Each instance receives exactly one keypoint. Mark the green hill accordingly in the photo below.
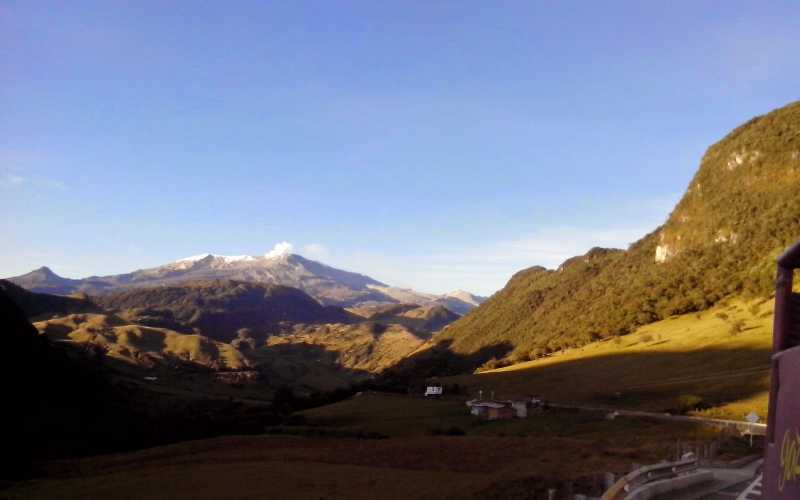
(741, 210)
(219, 309)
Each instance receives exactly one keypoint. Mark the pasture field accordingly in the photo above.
(490, 457)
(416, 458)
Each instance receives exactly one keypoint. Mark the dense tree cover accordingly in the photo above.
(741, 210)
(218, 309)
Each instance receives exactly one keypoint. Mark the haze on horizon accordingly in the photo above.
(432, 145)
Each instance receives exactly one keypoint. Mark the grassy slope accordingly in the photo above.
(693, 354)
(138, 344)
(369, 347)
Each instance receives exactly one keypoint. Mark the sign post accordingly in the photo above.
(753, 418)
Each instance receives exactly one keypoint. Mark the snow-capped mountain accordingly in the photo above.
(460, 301)
(330, 286)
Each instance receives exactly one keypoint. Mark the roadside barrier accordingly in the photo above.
(649, 474)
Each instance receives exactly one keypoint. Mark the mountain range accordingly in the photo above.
(328, 285)
(739, 212)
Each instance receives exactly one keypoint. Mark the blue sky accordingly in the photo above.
(431, 144)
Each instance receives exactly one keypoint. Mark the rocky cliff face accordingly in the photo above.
(744, 191)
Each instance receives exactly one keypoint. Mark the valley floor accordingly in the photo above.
(413, 460)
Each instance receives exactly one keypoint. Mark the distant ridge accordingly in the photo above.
(219, 309)
(37, 305)
(44, 280)
(326, 284)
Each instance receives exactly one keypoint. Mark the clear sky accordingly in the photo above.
(431, 144)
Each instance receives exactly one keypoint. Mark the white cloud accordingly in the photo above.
(280, 249)
(11, 180)
(316, 251)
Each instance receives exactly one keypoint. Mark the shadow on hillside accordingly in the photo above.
(288, 364)
(438, 361)
(638, 379)
(223, 326)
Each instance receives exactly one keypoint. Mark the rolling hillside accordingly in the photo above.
(422, 319)
(140, 345)
(740, 211)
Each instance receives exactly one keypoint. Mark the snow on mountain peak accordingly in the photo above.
(227, 259)
(279, 250)
(235, 258)
(194, 258)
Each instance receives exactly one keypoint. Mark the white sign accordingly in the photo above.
(752, 417)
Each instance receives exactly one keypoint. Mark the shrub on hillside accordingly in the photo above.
(689, 402)
(736, 327)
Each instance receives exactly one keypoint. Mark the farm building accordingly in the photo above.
(491, 410)
(501, 410)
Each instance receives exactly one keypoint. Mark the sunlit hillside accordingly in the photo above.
(142, 345)
(715, 363)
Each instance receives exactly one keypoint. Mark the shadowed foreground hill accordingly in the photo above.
(741, 210)
(54, 402)
(62, 400)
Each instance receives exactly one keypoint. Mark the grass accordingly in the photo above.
(254, 467)
(392, 415)
(409, 416)
(695, 354)
(548, 447)
(491, 459)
